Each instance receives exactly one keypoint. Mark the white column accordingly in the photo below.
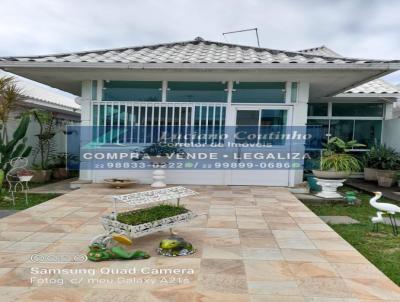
(299, 120)
(86, 121)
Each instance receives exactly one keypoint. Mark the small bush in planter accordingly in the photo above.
(385, 160)
(162, 149)
(336, 162)
(151, 214)
(158, 151)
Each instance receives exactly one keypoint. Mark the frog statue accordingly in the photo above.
(100, 252)
(103, 247)
(175, 246)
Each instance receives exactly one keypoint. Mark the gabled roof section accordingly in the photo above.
(192, 52)
(378, 86)
(45, 94)
(321, 51)
(374, 87)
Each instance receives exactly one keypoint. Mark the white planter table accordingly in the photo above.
(142, 200)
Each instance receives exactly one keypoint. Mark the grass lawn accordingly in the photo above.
(34, 199)
(382, 249)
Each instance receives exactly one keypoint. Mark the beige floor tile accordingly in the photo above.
(373, 289)
(324, 287)
(276, 226)
(303, 255)
(322, 235)
(44, 237)
(221, 252)
(304, 270)
(358, 270)
(254, 233)
(265, 242)
(289, 288)
(332, 244)
(259, 270)
(262, 253)
(295, 243)
(26, 247)
(315, 227)
(252, 224)
(14, 236)
(276, 298)
(221, 275)
(216, 223)
(351, 256)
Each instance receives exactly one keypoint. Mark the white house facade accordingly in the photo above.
(213, 86)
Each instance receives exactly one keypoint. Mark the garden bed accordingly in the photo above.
(382, 248)
(33, 199)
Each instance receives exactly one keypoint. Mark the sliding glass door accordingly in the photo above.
(260, 136)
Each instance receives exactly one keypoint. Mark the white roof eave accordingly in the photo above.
(221, 66)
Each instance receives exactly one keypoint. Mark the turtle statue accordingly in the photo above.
(103, 247)
(175, 246)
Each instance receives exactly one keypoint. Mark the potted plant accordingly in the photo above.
(371, 161)
(59, 165)
(25, 175)
(159, 152)
(387, 161)
(398, 178)
(336, 162)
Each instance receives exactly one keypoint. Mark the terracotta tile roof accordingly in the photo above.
(194, 51)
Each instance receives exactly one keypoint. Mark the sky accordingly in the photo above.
(354, 28)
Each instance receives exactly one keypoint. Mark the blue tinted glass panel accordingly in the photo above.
(318, 109)
(137, 91)
(94, 90)
(317, 131)
(293, 93)
(342, 129)
(355, 109)
(196, 92)
(368, 132)
(259, 92)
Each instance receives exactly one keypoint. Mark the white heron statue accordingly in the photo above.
(385, 208)
(376, 220)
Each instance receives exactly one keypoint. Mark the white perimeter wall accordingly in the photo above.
(391, 133)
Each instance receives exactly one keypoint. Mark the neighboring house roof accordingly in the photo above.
(43, 94)
(194, 51)
(377, 86)
(322, 51)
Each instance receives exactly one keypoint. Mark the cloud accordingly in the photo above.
(355, 28)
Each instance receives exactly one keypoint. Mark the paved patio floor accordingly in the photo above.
(256, 244)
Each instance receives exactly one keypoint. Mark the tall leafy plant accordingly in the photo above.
(45, 145)
(16, 146)
(10, 95)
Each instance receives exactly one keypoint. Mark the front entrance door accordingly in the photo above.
(255, 130)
